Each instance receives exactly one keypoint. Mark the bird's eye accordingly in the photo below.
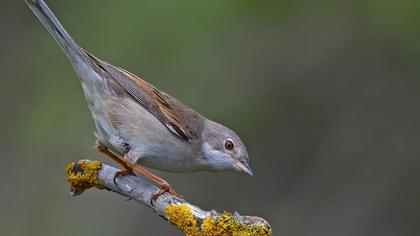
(229, 145)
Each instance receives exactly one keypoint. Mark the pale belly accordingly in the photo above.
(125, 126)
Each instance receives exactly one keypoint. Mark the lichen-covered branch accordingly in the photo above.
(190, 219)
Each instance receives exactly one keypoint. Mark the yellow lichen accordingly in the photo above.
(83, 175)
(225, 225)
(181, 216)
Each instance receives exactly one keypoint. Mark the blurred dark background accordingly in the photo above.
(325, 94)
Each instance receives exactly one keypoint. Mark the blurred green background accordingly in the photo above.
(324, 93)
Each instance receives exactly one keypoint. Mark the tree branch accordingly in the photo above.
(190, 219)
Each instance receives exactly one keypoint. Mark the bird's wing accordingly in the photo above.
(181, 120)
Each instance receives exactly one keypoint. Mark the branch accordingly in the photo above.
(190, 219)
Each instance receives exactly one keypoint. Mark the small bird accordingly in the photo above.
(139, 125)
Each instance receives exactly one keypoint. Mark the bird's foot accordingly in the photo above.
(121, 173)
(164, 188)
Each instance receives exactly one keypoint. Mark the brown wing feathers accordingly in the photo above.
(150, 98)
(169, 113)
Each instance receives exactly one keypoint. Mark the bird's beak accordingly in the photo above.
(244, 167)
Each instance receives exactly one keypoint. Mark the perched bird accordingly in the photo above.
(139, 125)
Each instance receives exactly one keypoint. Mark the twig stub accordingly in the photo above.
(83, 175)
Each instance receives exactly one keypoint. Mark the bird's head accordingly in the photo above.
(222, 149)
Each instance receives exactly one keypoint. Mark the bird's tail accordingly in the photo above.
(69, 46)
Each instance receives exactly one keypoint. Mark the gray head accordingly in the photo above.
(222, 149)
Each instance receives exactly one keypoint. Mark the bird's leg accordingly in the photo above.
(104, 150)
(164, 185)
(129, 167)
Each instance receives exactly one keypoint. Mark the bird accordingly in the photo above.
(142, 127)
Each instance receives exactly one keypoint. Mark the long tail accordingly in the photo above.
(69, 46)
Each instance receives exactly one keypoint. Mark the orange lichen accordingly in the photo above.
(225, 225)
(83, 175)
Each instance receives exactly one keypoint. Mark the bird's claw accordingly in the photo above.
(164, 188)
(121, 173)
